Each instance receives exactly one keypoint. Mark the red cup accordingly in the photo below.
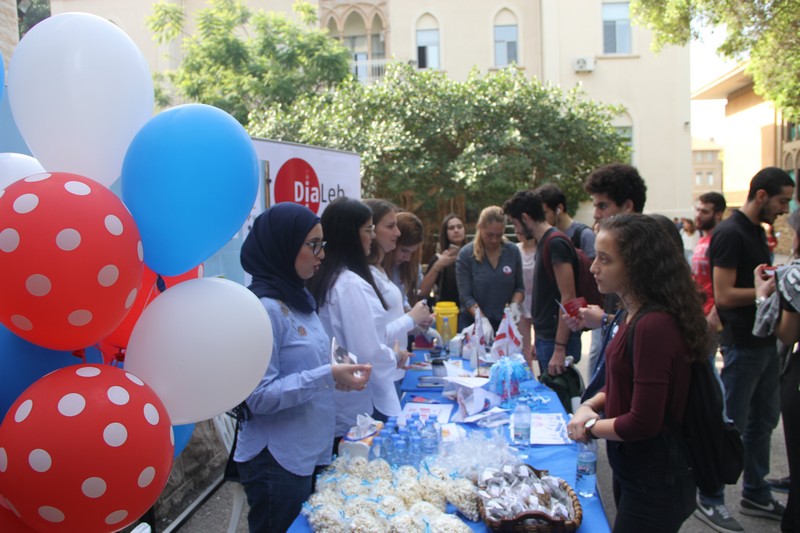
(573, 306)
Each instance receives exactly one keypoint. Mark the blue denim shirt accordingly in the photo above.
(293, 411)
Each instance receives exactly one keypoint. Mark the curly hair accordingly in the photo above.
(658, 276)
(620, 182)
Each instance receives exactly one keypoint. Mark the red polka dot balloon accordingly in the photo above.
(85, 448)
(70, 260)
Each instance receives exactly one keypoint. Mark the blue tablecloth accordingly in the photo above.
(559, 460)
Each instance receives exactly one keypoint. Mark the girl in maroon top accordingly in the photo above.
(646, 383)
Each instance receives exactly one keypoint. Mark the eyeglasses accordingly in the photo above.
(316, 246)
(370, 228)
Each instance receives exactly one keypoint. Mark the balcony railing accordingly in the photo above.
(368, 70)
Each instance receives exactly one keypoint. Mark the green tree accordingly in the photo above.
(766, 33)
(31, 13)
(240, 61)
(424, 136)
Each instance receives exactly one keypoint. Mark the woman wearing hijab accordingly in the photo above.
(289, 431)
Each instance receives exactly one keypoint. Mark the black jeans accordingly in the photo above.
(790, 408)
(274, 494)
(654, 488)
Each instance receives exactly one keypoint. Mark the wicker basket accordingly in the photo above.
(537, 521)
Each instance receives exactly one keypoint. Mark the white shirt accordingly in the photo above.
(398, 322)
(354, 315)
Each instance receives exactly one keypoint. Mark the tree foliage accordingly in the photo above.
(241, 61)
(425, 136)
(763, 31)
(36, 12)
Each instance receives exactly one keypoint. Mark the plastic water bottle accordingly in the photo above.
(414, 424)
(522, 424)
(405, 434)
(400, 453)
(586, 472)
(376, 450)
(415, 451)
(392, 448)
(445, 333)
(430, 439)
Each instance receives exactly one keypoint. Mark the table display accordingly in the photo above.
(373, 496)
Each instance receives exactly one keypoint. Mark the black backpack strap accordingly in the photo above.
(576, 237)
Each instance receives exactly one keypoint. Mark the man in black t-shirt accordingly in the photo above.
(554, 283)
(737, 254)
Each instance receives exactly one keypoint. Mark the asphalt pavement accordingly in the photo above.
(214, 515)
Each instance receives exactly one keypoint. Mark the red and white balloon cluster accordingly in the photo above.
(88, 447)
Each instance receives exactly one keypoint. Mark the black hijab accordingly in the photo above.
(270, 250)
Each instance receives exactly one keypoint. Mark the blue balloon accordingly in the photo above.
(2, 75)
(190, 178)
(23, 363)
(182, 435)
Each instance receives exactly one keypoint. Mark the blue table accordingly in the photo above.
(559, 460)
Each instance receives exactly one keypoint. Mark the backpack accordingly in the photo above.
(585, 284)
(711, 443)
(568, 386)
(576, 236)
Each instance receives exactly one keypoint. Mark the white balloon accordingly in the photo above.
(14, 167)
(203, 346)
(79, 90)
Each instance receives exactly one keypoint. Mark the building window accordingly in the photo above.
(710, 178)
(626, 135)
(428, 49)
(616, 28)
(505, 45)
(698, 178)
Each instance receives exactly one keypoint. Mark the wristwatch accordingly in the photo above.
(587, 427)
(760, 300)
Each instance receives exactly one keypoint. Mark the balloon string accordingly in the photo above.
(119, 357)
(160, 283)
(81, 354)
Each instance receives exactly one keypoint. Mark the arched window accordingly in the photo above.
(505, 39)
(427, 42)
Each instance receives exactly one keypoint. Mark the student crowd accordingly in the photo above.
(355, 275)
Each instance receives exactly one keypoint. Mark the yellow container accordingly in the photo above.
(449, 310)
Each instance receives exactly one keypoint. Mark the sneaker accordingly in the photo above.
(717, 517)
(772, 509)
(779, 484)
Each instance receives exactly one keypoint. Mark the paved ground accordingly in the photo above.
(214, 515)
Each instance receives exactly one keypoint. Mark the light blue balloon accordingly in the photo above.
(182, 435)
(22, 363)
(190, 178)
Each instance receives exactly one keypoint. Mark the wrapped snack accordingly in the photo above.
(368, 523)
(353, 486)
(364, 431)
(407, 471)
(427, 511)
(329, 519)
(356, 506)
(391, 505)
(463, 494)
(447, 523)
(325, 497)
(434, 490)
(379, 469)
(359, 467)
(406, 522)
(409, 490)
